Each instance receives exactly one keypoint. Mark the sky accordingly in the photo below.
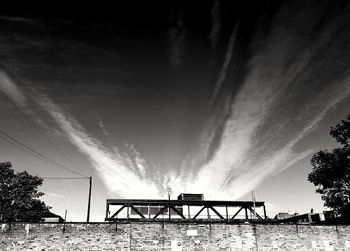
(213, 97)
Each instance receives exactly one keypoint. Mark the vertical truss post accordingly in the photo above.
(208, 213)
(226, 213)
(246, 213)
(265, 217)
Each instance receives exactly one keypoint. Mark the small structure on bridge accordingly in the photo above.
(188, 207)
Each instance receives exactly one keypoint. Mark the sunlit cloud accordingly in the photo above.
(119, 179)
(225, 65)
(262, 130)
(290, 81)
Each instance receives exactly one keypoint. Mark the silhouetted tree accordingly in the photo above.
(19, 195)
(331, 171)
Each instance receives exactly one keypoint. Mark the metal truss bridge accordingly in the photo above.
(184, 210)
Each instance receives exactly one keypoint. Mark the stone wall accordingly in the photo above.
(173, 236)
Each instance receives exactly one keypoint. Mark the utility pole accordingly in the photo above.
(89, 201)
(64, 223)
(169, 191)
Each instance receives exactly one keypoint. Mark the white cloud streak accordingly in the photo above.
(118, 178)
(225, 66)
(231, 173)
(238, 165)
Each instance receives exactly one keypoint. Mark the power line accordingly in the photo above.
(68, 194)
(58, 180)
(19, 110)
(52, 188)
(62, 188)
(63, 178)
(36, 154)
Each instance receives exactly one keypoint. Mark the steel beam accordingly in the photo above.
(185, 203)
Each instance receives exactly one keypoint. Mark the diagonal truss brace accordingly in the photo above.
(119, 210)
(252, 211)
(137, 211)
(239, 210)
(216, 212)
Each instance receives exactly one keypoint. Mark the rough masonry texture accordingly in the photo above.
(173, 236)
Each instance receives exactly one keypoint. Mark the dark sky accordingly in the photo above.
(143, 95)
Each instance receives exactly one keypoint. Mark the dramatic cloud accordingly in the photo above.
(295, 69)
(292, 82)
(118, 177)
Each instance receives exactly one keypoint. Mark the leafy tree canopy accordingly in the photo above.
(19, 195)
(331, 171)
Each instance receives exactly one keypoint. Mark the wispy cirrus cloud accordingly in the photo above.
(291, 83)
(123, 173)
(225, 65)
(112, 167)
(296, 72)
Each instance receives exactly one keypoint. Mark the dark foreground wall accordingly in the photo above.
(172, 236)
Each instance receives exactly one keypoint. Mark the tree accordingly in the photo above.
(331, 171)
(19, 195)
